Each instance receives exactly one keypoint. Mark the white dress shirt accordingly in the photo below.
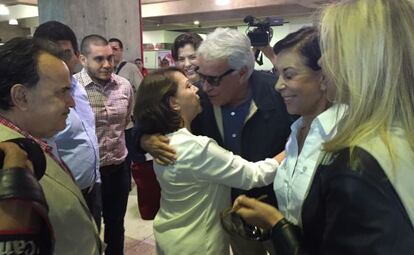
(196, 189)
(296, 172)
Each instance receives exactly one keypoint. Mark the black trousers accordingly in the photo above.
(116, 182)
(93, 199)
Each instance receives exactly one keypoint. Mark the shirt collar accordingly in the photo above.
(87, 80)
(4, 121)
(327, 120)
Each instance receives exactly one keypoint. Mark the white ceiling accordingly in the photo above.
(20, 11)
(180, 14)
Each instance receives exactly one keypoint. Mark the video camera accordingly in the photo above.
(262, 33)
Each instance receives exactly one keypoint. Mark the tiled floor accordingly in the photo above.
(139, 238)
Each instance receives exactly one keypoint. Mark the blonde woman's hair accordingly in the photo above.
(368, 52)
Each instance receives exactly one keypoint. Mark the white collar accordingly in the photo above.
(327, 120)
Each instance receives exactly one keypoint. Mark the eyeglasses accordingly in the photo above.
(213, 80)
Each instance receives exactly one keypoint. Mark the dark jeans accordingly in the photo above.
(94, 201)
(116, 184)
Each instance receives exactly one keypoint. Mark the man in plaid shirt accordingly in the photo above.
(111, 98)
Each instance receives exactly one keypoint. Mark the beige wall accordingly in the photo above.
(7, 31)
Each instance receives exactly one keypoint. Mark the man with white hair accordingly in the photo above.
(241, 111)
(244, 113)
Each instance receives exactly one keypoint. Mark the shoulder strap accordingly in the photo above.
(120, 67)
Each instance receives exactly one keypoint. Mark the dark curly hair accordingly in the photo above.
(184, 39)
(152, 108)
(306, 42)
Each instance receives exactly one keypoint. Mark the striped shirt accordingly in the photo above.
(112, 104)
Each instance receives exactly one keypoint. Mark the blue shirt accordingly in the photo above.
(233, 122)
(77, 144)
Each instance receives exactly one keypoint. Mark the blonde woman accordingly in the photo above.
(361, 200)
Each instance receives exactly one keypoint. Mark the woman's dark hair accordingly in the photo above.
(152, 107)
(306, 42)
(184, 39)
(19, 59)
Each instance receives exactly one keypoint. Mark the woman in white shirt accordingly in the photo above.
(196, 188)
(304, 90)
(361, 197)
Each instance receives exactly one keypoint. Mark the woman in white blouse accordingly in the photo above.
(361, 197)
(304, 90)
(196, 188)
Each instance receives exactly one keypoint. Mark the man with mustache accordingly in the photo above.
(111, 98)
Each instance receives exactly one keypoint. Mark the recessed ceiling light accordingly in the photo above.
(196, 22)
(4, 10)
(13, 22)
(222, 2)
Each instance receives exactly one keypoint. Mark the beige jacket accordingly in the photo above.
(73, 225)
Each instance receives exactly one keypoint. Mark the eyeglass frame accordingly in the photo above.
(213, 80)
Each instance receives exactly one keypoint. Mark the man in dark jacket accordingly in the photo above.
(243, 113)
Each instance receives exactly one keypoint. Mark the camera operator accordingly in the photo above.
(261, 35)
(24, 225)
(268, 52)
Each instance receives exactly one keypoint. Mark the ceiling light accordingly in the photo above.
(13, 22)
(196, 22)
(222, 2)
(4, 10)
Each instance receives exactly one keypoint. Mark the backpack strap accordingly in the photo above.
(120, 67)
